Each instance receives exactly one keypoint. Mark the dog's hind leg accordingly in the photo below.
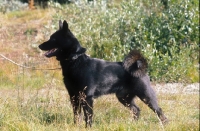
(128, 101)
(149, 98)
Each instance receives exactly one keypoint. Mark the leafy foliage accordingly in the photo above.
(11, 5)
(167, 36)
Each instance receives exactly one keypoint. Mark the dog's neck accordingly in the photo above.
(72, 54)
(73, 62)
(75, 57)
(70, 58)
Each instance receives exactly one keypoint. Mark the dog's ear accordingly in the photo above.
(65, 25)
(60, 24)
(79, 51)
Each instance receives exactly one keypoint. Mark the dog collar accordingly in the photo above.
(75, 57)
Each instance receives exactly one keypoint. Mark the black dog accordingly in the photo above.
(86, 78)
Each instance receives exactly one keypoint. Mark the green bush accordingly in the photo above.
(12, 5)
(168, 37)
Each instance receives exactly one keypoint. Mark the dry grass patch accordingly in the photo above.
(49, 109)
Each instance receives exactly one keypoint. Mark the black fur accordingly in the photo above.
(135, 64)
(87, 78)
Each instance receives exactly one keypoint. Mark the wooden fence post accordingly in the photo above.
(31, 4)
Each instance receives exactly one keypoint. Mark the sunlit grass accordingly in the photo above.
(49, 108)
(16, 17)
(29, 78)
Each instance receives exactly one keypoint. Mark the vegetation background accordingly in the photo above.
(168, 35)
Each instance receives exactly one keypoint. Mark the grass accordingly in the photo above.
(50, 109)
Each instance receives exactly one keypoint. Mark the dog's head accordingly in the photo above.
(62, 44)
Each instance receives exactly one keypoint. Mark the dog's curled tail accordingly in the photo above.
(135, 64)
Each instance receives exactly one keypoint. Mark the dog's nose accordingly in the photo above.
(40, 46)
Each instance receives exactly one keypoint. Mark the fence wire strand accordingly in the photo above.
(27, 67)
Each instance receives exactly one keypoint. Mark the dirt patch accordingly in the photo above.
(177, 88)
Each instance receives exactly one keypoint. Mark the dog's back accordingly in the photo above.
(93, 75)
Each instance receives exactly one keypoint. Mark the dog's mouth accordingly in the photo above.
(51, 52)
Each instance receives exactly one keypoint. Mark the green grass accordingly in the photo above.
(50, 109)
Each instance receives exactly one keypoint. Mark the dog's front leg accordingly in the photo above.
(75, 101)
(87, 104)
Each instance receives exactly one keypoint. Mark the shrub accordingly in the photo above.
(167, 36)
(169, 39)
(12, 5)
